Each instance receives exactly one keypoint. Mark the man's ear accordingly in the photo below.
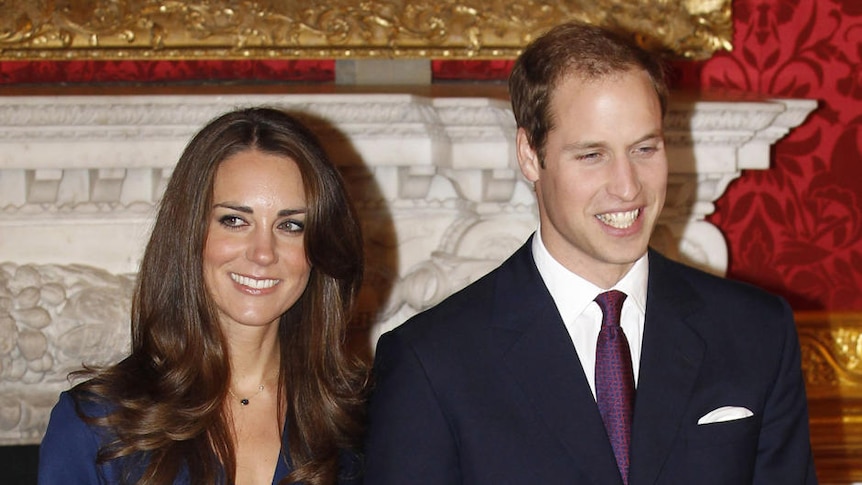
(527, 157)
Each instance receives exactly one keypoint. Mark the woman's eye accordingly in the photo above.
(292, 226)
(231, 221)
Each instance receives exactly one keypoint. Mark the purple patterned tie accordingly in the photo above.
(615, 385)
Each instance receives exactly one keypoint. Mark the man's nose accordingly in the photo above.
(624, 182)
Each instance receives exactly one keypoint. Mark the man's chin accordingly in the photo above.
(625, 254)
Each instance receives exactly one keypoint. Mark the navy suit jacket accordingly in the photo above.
(487, 388)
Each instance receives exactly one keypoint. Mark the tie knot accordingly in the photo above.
(611, 303)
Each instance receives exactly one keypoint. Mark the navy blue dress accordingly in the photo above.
(67, 454)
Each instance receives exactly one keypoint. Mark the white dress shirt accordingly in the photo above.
(574, 297)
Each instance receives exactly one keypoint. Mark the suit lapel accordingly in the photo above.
(671, 355)
(538, 354)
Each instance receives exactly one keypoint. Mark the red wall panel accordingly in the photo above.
(797, 227)
(153, 72)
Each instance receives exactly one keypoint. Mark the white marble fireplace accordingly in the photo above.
(434, 178)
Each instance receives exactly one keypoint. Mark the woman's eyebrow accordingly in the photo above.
(237, 207)
(248, 210)
(291, 212)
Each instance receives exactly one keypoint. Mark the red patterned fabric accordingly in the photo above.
(151, 72)
(615, 384)
(797, 227)
(471, 70)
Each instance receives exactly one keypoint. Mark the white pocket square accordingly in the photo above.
(725, 413)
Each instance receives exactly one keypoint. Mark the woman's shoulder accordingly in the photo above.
(70, 445)
(73, 405)
(75, 412)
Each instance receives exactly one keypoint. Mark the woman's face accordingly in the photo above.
(254, 262)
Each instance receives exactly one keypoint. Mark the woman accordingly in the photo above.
(238, 371)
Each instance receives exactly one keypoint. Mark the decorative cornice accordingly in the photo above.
(92, 159)
(109, 117)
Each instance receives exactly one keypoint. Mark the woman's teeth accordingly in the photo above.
(253, 283)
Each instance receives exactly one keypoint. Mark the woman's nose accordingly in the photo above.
(262, 248)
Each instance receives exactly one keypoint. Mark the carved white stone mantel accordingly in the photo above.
(435, 180)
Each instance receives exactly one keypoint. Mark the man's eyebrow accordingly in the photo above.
(587, 145)
(649, 136)
(582, 145)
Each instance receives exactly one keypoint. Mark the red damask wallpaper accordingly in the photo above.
(152, 72)
(795, 229)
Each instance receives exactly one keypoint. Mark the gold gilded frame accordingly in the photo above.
(832, 362)
(269, 29)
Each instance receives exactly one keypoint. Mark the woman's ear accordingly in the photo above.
(527, 157)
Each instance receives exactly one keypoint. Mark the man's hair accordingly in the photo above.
(572, 49)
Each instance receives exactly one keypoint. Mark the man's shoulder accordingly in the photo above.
(466, 304)
(712, 286)
(740, 307)
(467, 309)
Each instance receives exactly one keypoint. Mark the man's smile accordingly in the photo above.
(619, 220)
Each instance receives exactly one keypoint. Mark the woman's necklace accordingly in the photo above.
(245, 400)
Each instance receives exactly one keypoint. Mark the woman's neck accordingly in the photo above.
(254, 359)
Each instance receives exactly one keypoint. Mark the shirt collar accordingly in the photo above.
(572, 293)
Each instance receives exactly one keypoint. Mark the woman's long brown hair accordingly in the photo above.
(166, 400)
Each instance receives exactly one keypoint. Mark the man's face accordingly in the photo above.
(605, 174)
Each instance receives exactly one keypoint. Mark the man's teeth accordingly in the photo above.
(619, 220)
(253, 283)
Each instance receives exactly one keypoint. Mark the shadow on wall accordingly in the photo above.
(378, 230)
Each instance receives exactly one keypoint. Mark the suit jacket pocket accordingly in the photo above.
(715, 434)
(718, 453)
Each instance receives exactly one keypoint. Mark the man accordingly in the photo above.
(527, 377)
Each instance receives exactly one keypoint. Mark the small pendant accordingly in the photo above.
(244, 402)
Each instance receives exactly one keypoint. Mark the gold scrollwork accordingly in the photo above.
(832, 362)
(832, 353)
(258, 29)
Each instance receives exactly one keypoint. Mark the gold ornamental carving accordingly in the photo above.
(832, 362)
(831, 353)
(269, 29)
